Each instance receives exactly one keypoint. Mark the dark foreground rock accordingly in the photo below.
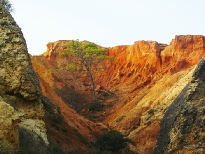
(21, 108)
(183, 125)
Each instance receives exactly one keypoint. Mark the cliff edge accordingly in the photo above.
(21, 108)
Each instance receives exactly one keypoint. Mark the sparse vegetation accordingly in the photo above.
(7, 5)
(84, 59)
(95, 106)
(112, 141)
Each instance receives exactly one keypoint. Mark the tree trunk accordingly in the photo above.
(93, 86)
(91, 80)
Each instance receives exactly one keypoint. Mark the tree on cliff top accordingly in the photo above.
(85, 60)
(7, 5)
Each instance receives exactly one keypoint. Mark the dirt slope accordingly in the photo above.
(145, 78)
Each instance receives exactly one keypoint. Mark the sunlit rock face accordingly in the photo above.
(148, 83)
(183, 125)
(21, 109)
(152, 83)
(183, 51)
(146, 60)
(145, 77)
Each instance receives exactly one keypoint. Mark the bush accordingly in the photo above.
(7, 5)
(55, 148)
(112, 141)
(95, 106)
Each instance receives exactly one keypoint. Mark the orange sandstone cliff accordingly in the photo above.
(145, 78)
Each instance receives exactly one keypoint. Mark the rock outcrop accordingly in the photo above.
(183, 51)
(80, 131)
(148, 83)
(182, 129)
(145, 77)
(155, 82)
(21, 108)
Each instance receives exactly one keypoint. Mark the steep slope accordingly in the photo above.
(29, 121)
(82, 130)
(143, 84)
(156, 81)
(145, 78)
(139, 118)
(21, 108)
(183, 125)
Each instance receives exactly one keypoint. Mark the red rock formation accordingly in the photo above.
(184, 51)
(145, 77)
(87, 129)
(144, 90)
(138, 62)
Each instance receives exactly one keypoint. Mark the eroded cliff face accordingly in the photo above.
(80, 130)
(155, 83)
(184, 51)
(21, 109)
(145, 77)
(145, 80)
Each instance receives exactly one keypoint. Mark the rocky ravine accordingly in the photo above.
(146, 78)
(29, 121)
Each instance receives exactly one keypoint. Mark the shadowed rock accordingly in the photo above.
(21, 114)
(183, 125)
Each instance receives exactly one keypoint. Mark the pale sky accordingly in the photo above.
(107, 22)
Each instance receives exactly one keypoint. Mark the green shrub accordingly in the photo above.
(7, 5)
(112, 141)
(95, 106)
